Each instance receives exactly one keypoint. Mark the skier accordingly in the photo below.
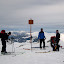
(42, 38)
(53, 43)
(57, 39)
(9, 35)
(52, 40)
(4, 37)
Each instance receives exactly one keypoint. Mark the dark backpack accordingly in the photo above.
(0, 35)
(3, 35)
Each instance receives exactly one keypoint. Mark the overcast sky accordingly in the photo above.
(18, 12)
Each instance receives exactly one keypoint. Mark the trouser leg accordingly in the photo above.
(57, 44)
(3, 46)
(40, 43)
(43, 43)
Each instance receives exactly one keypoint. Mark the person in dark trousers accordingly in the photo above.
(4, 37)
(57, 39)
(42, 38)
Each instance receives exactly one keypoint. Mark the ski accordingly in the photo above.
(12, 53)
(26, 49)
(43, 52)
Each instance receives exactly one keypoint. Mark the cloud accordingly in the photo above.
(17, 12)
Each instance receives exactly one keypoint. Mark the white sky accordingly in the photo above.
(18, 12)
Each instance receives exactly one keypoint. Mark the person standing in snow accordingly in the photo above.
(42, 38)
(9, 35)
(4, 37)
(57, 38)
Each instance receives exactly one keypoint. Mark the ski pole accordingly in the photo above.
(13, 48)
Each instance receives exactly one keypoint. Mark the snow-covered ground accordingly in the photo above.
(24, 55)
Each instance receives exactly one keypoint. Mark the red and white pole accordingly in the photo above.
(30, 22)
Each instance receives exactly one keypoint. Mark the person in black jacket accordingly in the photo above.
(57, 38)
(4, 37)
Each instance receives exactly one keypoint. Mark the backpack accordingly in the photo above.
(0, 35)
(2, 32)
(53, 39)
(3, 35)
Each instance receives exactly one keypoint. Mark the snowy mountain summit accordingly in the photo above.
(21, 53)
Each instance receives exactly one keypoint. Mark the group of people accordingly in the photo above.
(42, 38)
(4, 37)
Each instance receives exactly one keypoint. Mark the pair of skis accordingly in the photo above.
(12, 54)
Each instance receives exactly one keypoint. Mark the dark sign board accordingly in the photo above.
(30, 21)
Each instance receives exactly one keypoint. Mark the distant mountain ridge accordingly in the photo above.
(22, 36)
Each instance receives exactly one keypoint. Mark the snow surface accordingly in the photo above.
(23, 56)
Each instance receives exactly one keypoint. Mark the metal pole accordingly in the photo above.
(30, 37)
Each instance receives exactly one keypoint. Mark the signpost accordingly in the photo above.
(30, 22)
